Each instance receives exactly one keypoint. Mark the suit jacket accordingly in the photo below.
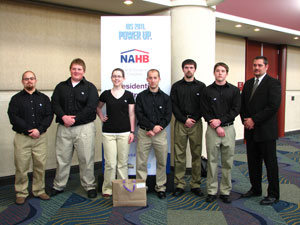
(262, 108)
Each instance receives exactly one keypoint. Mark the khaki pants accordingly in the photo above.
(82, 139)
(26, 148)
(116, 150)
(225, 146)
(160, 145)
(181, 135)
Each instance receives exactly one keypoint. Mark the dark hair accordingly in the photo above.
(78, 61)
(28, 71)
(263, 58)
(119, 69)
(153, 70)
(189, 62)
(223, 65)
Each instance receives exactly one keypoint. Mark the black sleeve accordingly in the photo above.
(130, 98)
(198, 114)
(55, 101)
(168, 112)
(91, 104)
(205, 106)
(19, 124)
(175, 105)
(103, 97)
(47, 117)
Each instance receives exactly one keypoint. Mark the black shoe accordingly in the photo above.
(178, 192)
(210, 198)
(197, 191)
(92, 193)
(225, 198)
(268, 201)
(250, 194)
(55, 192)
(161, 194)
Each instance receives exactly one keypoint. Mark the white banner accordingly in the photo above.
(136, 44)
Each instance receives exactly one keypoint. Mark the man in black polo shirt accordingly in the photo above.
(30, 114)
(220, 105)
(153, 111)
(186, 95)
(74, 102)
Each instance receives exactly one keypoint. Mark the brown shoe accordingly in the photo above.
(44, 196)
(20, 200)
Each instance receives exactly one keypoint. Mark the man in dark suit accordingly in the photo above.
(261, 98)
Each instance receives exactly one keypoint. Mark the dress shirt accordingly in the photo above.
(153, 108)
(30, 111)
(185, 98)
(221, 102)
(80, 101)
(260, 78)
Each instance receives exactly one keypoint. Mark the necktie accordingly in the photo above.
(255, 85)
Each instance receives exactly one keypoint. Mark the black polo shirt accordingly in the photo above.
(221, 102)
(153, 108)
(80, 101)
(30, 111)
(186, 99)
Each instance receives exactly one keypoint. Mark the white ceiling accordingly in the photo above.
(224, 23)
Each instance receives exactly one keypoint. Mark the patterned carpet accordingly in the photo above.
(73, 207)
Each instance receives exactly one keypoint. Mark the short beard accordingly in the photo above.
(189, 75)
(30, 88)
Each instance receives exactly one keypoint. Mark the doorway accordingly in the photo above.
(276, 55)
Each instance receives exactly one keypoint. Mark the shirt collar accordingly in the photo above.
(260, 78)
(25, 92)
(70, 82)
(225, 85)
(194, 81)
(148, 91)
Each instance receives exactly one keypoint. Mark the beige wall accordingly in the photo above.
(292, 107)
(231, 50)
(44, 40)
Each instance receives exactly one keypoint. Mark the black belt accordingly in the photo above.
(226, 124)
(143, 128)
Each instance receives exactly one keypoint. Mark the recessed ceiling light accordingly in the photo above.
(256, 29)
(127, 2)
(238, 25)
(296, 38)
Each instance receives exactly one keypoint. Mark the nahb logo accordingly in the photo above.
(134, 56)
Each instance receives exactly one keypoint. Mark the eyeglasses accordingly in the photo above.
(117, 76)
(29, 78)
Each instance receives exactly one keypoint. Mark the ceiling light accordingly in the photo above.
(238, 25)
(296, 38)
(256, 29)
(127, 2)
